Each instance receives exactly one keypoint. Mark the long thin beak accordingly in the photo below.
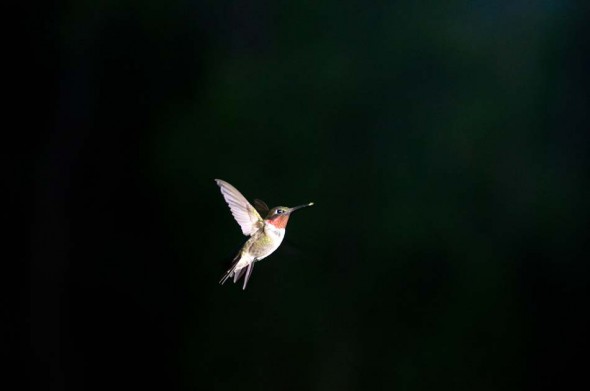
(291, 210)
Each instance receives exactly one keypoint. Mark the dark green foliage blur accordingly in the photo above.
(445, 144)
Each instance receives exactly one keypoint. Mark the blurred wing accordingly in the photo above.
(244, 213)
(261, 207)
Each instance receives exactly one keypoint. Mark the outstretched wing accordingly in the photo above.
(261, 207)
(244, 213)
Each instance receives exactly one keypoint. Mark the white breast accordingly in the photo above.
(276, 233)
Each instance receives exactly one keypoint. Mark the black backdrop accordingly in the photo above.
(445, 146)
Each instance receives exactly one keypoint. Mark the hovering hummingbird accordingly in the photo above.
(265, 234)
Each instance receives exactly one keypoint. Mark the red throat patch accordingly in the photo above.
(279, 221)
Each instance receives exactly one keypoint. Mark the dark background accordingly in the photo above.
(444, 143)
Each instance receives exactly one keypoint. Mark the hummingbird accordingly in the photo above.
(265, 234)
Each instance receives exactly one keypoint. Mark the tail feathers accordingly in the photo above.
(227, 275)
(238, 273)
(248, 274)
(231, 270)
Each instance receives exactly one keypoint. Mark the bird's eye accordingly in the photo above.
(280, 211)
